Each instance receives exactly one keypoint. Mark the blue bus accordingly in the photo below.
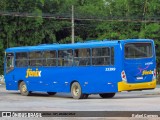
(103, 67)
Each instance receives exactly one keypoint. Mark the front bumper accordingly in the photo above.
(123, 86)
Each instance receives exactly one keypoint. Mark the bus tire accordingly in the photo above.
(76, 91)
(23, 89)
(51, 93)
(107, 95)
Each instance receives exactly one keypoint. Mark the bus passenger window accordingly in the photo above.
(21, 59)
(82, 57)
(112, 55)
(49, 58)
(35, 58)
(65, 58)
(101, 56)
(9, 62)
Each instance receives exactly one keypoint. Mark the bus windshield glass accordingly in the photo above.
(9, 62)
(138, 50)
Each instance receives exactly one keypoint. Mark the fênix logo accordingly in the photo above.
(145, 72)
(33, 73)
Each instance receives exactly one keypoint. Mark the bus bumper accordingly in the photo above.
(123, 86)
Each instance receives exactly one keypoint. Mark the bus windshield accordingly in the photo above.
(138, 50)
(9, 62)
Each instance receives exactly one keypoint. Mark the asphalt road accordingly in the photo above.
(147, 100)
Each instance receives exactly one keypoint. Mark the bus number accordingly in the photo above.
(110, 69)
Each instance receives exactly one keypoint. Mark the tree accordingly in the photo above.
(94, 19)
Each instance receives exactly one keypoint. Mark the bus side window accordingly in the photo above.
(65, 57)
(21, 59)
(60, 58)
(112, 55)
(101, 56)
(76, 59)
(82, 57)
(9, 62)
(35, 58)
(49, 58)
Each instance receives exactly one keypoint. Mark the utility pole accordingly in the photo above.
(72, 24)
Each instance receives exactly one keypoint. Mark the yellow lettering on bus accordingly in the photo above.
(33, 73)
(145, 72)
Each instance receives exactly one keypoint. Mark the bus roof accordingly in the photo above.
(88, 44)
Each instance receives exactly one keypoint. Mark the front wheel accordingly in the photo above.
(107, 95)
(76, 91)
(23, 89)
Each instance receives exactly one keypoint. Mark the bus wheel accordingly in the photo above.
(76, 91)
(107, 95)
(51, 93)
(23, 89)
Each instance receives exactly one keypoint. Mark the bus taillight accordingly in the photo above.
(123, 75)
(154, 74)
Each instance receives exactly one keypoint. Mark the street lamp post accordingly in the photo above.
(72, 24)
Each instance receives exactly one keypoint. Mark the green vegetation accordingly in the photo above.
(32, 22)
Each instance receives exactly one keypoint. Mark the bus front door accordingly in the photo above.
(9, 68)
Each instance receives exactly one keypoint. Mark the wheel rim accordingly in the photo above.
(24, 88)
(76, 90)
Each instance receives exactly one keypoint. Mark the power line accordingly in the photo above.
(81, 18)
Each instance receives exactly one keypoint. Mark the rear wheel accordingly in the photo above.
(51, 93)
(23, 89)
(76, 91)
(107, 95)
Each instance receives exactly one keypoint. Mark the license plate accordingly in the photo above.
(139, 78)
